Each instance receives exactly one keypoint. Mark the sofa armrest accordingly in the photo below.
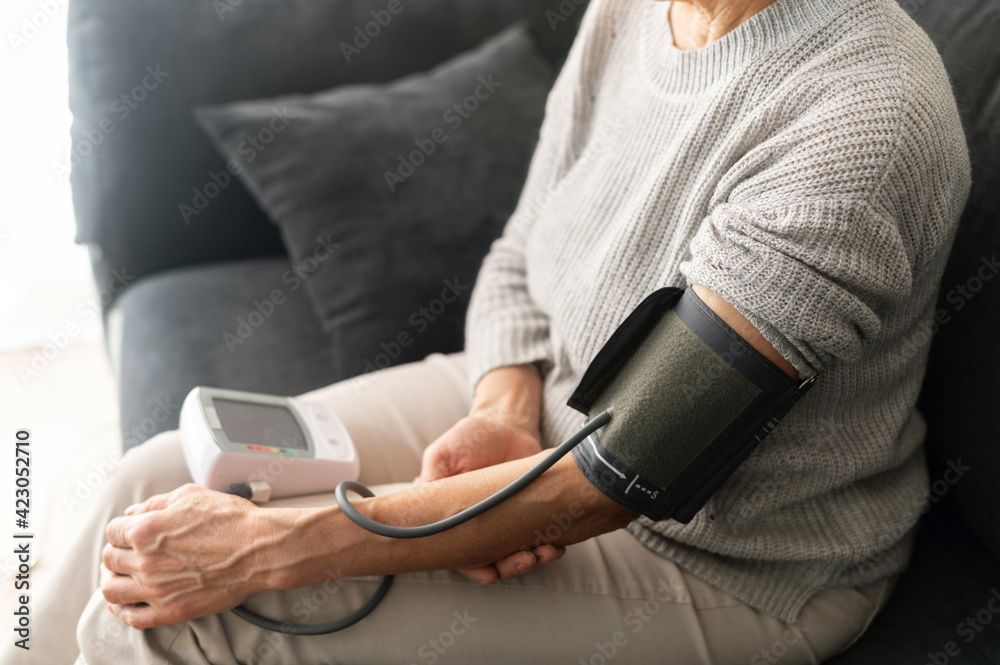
(149, 190)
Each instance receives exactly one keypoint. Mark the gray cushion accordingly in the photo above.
(412, 180)
(135, 169)
(963, 380)
(204, 326)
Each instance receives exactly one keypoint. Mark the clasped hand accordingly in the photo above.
(186, 554)
(477, 442)
(195, 552)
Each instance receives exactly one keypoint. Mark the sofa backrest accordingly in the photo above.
(149, 190)
(961, 394)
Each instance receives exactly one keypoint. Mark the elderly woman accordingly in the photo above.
(801, 165)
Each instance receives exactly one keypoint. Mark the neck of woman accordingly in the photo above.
(696, 23)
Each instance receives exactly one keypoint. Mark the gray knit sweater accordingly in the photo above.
(809, 167)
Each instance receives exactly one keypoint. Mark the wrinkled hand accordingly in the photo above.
(183, 555)
(477, 442)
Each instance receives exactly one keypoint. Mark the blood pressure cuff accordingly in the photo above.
(691, 399)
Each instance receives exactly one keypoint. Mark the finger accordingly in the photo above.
(119, 531)
(516, 564)
(121, 589)
(548, 553)
(155, 502)
(120, 560)
(139, 617)
(485, 575)
(435, 465)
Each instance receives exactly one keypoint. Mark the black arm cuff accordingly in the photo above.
(691, 400)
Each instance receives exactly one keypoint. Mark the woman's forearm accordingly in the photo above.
(560, 507)
(332, 545)
(513, 394)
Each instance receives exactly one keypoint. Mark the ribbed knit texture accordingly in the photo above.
(809, 167)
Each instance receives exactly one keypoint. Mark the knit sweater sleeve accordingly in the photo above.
(809, 275)
(825, 226)
(504, 325)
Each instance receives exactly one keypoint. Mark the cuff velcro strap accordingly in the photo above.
(691, 399)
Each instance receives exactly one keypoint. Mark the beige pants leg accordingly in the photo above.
(609, 598)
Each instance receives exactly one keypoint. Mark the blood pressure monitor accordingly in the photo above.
(294, 446)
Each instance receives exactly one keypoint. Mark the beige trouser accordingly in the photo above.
(609, 600)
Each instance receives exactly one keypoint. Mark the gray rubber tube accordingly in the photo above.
(592, 425)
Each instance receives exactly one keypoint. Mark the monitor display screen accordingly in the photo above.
(260, 424)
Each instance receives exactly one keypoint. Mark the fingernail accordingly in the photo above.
(128, 511)
(523, 567)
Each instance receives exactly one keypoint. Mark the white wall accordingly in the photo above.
(45, 277)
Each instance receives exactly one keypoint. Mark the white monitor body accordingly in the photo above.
(232, 437)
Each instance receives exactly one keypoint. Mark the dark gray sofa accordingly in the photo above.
(193, 280)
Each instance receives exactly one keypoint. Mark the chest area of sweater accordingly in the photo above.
(642, 176)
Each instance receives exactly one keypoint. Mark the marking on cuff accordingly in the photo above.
(608, 464)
